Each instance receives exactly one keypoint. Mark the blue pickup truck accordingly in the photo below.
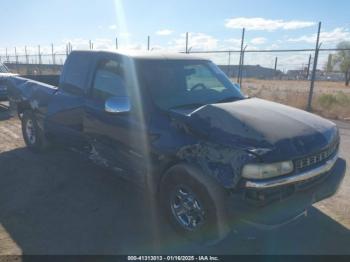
(209, 155)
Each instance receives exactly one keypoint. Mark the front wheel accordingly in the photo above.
(195, 204)
(33, 135)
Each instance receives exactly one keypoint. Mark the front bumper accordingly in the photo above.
(270, 207)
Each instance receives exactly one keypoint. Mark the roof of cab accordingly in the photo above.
(150, 55)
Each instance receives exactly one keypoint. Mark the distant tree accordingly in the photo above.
(329, 65)
(343, 59)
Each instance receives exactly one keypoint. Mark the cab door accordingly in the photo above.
(115, 137)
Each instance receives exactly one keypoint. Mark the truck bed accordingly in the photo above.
(25, 90)
(47, 79)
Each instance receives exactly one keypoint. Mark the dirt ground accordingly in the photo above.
(60, 203)
(297, 85)
(330, 99)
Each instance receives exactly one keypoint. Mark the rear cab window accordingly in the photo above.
(76, 73)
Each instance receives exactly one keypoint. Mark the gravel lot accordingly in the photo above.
(60, 203)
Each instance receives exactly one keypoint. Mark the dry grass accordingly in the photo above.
(331, 99)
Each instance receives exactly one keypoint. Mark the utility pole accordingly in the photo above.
(116, 43)
(148, 43)
(313, 76)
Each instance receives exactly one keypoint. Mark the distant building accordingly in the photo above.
(251, 71)
(320, 75)
(301, 74)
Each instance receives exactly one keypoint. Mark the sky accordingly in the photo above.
(213, 25)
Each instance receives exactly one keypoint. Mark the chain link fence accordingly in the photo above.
(305, 78)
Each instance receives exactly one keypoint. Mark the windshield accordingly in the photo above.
(176, 84)
(3, 69)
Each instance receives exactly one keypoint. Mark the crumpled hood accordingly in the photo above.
(271, 130)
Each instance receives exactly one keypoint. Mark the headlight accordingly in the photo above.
(265, 171)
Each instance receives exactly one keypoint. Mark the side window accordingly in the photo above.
(109, 80)
(202, 76)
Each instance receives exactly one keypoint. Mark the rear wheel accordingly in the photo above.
(194, 204)
(33, 135)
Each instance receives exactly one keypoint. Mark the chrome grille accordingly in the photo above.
(317, 158)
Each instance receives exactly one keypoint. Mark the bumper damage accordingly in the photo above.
(272, 208)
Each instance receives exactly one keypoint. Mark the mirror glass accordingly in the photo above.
(118, 104)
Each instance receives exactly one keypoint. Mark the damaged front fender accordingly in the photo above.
(223, 163)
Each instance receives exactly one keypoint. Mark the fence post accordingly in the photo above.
(276, 61)
(26, 54)
(229, 64)
(148, 43)
(313, 76)
(39, 56)
(242, 64)
(186, 42)
(308, 67)
(16, 56)
(53, 55)
(68, 48)
(240, 57)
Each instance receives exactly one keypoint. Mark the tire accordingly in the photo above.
(33, 135)
(211, 219)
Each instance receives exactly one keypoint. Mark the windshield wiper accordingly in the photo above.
(197, 105)
(228, 99)
(187, 105)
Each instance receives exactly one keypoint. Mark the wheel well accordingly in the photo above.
(196, 172)
(162, 170)
(23, 106)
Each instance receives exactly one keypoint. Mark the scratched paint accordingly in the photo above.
(223, 163)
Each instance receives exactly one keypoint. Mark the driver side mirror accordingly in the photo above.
(118, 105)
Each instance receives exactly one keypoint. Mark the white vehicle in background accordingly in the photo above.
(4, 74)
